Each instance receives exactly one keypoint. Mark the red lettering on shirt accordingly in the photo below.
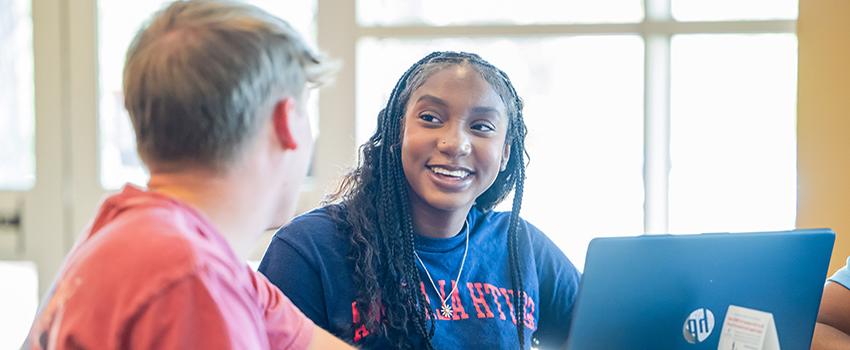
(359, 332)
(529, 315)
(458, 313)
(478, 300)
(508, 293)
(477, 292)
(494, 291)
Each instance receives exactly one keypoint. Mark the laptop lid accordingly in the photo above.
(638, 292)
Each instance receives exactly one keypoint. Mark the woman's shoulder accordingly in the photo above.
(547, 255)
(320, 226)
(318, 216)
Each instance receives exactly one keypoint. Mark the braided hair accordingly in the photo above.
(377, 214)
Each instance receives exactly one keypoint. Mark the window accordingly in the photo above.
(725, 10)
(733, 127)
(644, 116)
(17, 134)
(18, 300)
(478, 12)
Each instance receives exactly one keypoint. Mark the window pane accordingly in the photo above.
(118, 23)
(18, 300)
(583, 108)
(17, 136)
(719, 10)
(450, 12)
(733, 138)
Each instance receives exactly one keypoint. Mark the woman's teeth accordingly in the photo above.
(453, 173)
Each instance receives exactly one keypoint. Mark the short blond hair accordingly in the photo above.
(197, 73)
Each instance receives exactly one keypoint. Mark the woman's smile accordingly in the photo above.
(451, 178)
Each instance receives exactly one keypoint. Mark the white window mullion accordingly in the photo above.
(656, 170)
(337, 36)
(657, 10)
(656, 132)
(83, 189)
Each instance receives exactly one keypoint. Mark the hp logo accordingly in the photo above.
(698, 326)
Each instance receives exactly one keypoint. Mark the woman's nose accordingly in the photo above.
(455, 144)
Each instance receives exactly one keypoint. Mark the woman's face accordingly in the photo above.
(453, 142)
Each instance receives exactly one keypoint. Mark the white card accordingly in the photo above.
(748, 329)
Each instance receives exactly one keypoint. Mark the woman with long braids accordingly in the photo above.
(409, 252)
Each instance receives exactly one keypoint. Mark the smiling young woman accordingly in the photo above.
(409, 252)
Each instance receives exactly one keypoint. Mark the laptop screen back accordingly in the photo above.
(658, 291)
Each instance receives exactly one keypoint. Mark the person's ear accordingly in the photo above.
(506, 156)
(284, 111)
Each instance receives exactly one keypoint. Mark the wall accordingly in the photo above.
(823, 120)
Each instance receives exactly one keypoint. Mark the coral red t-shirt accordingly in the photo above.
(154, 273)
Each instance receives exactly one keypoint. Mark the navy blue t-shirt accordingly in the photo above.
(307, 260)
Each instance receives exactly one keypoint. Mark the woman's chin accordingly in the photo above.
(450, 204)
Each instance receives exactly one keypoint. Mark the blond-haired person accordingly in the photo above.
(216, 92)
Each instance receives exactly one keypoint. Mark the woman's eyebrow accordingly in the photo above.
(484, 110)
(442, 103)
(433, 99)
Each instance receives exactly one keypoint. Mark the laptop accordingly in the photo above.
(657, 291)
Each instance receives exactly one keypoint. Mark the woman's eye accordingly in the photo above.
(429, 118)
(483, 127)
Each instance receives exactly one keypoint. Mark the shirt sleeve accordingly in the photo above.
(290, 271)
(559, 282)
(286, 326)
(842, 276)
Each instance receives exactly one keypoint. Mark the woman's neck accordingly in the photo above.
(435, 223)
